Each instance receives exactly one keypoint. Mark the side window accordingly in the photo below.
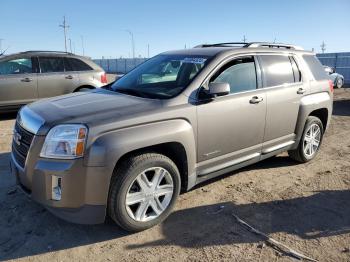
(277, 70)
(240, 74)
(16, 66)
(296, 71)
(316, 67)
(76, 65)
(51, 64)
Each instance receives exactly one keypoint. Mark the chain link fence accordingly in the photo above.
(119, 65)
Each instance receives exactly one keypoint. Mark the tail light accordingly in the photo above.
(331, 85)
(104, 78)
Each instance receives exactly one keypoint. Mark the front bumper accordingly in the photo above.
(84, 189)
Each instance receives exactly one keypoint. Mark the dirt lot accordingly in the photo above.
(305, 206)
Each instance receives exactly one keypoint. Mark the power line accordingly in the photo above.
(323, 47)
(82, 44)
(70, 45)
(132, 43)
(65, 27)
(1, 39)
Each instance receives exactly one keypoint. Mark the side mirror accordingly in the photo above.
(219, 89)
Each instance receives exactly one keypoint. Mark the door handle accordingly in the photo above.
(27, 79)
(256, 100)
(69, 77)
(301, 91)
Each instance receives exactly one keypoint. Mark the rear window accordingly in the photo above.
(51, 64)
(277, 70)
(74, 64)
(316, 67)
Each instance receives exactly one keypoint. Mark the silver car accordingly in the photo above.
(32, 75)
(338, 79)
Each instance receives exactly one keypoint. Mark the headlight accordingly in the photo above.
(65, 141)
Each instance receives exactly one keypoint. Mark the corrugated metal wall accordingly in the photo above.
(340, 61)
(119, 65)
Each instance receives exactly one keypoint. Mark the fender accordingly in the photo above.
(108, 148)
(308, 104)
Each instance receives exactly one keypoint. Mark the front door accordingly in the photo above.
(18, 82)
(232, 127)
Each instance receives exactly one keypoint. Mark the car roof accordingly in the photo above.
(41, 53)
(236, 47)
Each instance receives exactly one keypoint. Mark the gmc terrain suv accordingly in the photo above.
(28, 76)
(180, 118)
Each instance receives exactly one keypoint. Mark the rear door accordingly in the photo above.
(18, 81)
(284, 88)
(53, 80)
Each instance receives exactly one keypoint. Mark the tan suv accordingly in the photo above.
(178, 119)
(29, 76)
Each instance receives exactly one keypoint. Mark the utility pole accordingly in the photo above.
(70, 45)
(82, 44)
(148, 51)
(1, 39)
(244, 39)
(65, 27)
(323, 47)
(132, 43)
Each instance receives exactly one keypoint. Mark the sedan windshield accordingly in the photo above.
(163, 76)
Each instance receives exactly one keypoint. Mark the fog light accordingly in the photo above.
(56, 193)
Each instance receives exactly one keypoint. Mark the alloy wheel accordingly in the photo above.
(312, 140)
(149, 194)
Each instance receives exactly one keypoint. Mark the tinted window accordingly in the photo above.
(16, 66)
(73, 64)
(240, 74)
(316, 67)
(277, 70)
(51, 64)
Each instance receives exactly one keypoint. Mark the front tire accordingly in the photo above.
(143, 191)
(310, 141)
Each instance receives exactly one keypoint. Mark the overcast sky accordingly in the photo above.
(167, 25)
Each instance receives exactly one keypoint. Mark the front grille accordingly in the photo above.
(22, 139)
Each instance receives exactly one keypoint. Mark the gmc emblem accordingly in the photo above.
(17, 137)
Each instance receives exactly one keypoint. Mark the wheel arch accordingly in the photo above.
(84, 87)
(173, 150)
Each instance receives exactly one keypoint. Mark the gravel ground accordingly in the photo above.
(305, 206)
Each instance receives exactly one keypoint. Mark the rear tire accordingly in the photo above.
(143, 191)
(339, 83)
(310, 141)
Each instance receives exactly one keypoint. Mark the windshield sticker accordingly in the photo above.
(194, 60)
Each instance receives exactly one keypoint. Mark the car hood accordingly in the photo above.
(91, 108)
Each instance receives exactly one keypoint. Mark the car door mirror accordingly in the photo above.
(219, 89)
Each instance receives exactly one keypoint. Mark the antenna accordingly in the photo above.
(65, 27)
(323, 47)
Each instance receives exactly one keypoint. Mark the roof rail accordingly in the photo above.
(252, 45)
(47, 51)
(222, 44)
(273, 45)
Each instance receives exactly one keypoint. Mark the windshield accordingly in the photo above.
(163, 76)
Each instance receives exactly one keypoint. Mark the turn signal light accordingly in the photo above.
(331, 85)
(104, 78)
